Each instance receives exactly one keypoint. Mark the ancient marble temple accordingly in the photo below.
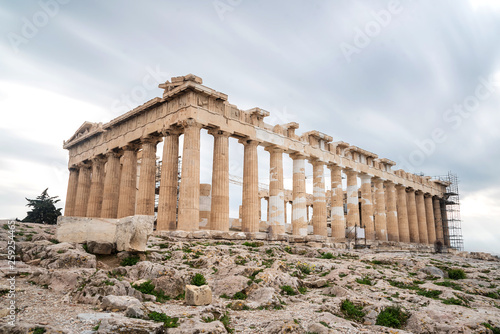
(391, 205)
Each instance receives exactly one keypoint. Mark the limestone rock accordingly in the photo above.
(265, 296)
(129, 326)
(229, 285)
(132, 233)
(119, 302)
(171, 283)
(103, 248)
(198, 295)
(433, 271)
(195, 326)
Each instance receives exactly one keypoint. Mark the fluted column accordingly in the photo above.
(111, 186)
(412, 216)
(147, 174)
(380, 217)
(402, 208)
(319, 199)
(219, 211)
(83, 190)
(69, 208)
(299, 214)
(392, 214)
(96, 188)
(276, 206)
(429, 213)
(438, 219)
(169, 182)
(421, 217)
(251, 204)
(189, 191)
(128, 182)
(352, 198)
(367, 206)
(446, 228)
(337, 204)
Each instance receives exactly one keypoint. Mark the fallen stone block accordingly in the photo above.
(198, 295)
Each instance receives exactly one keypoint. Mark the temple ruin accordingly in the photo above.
(390, 205)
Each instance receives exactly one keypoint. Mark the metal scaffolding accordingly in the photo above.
(452, 223)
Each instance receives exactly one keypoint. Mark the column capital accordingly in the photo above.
(409, 189)
(151, 139)
(274, 148)
(426, 195)
(191, 123)
(84, 164)
(98, 159)
(419, 192)
(350, 171)
(400, 186)
(378, 180)
(249, 142)
(364, 176)
(297, 155)
(73, 167)
(333, 166)
(171, 131)
(217, 132)
(116, 153)
(316, 161)
(131, 147)
(389, 183)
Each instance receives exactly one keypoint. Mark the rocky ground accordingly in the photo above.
(257, 287)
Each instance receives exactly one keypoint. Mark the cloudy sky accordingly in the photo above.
(417, 82)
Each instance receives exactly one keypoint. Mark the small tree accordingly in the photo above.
(43, 209)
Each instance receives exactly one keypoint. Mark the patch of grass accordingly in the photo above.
(402, 285)
(449, 284)
(269, 252)
(240, 260)
(251, 244)
(327, 256)
(454, 301)
(54, 241)
(108, 282)
(149, 289)
(164, 245)
(456, 274)
(434, 294)
(325, 324)
(351, 311)
(495, 330)
(342, 275)
(29, 237)
(198, 280)
(168, 322)
(39, 330)
(392, 316)
(226, 321)
(302, 289)
(287, 290)
(5, 226)
(364, 280)
(129, 261)
(240, 295)
(288, 249)
(305, 268)
(181, 296)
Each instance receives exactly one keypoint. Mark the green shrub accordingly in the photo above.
(251, 244)
(226, 321)
(495, 330)
(149, 289)
(302, 289)
(287, 290)
(240, 295)
(454, 301)
(430, 293)
(392, 316)
(129, 261)
(365, 280)
(168, 322)
(39, 330)
(351, 311)
(327, 256)
(456, 274)
(198, 280)
(449, 284)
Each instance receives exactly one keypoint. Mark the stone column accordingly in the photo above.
(69, 208)
(412, 216)
(392, 214)
(267, 216)
(250, 199)
(111, 186)
(367, 206)
(438, 219)
(83, 190)
(189, 192)
(299, 214)
(169, 182)
(128, 182)
(219, 211)
(402, 208)
(277, 204)
(337, 204)
(446, 228)
(352, 199)
(421, 217)
(94, 206)
(429, 213)
(319, 199)
(146, 193)
(380, 217)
